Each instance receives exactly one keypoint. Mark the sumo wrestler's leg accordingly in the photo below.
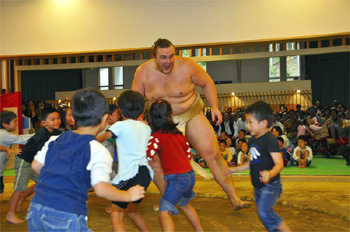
(201, 136)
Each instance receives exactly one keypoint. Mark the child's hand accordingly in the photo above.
(230, 171)
(265, 177)
(15, 151)
(136, 192)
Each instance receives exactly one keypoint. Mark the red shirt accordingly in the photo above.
(174, 152)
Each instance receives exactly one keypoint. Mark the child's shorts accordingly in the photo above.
(179, 190)
(24, 173)
(142, 178)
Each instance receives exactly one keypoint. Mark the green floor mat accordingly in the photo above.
(320, 166)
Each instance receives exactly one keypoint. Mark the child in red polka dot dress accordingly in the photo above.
(174, 152)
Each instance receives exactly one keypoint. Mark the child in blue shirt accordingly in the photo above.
(69, 165)
(265, 165)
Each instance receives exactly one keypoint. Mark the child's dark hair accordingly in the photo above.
(242, 140)
(112, 108)
(261, 111)
(88, 107)
(63, 113)
(242, 130)
(131, 104)
(6, 117)
(245, 141)
(46, 111)
(280, 139)
(161, 119)
(222, 141)
(278, 129)
(302, 137)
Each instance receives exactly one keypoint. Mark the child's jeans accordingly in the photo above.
(42, 218)
(265, 199)
(179, 190)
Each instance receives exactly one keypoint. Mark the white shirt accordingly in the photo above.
(100, 163)
(132, 140)
(307, 148)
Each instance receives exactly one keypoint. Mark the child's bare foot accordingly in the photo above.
(13, 219)
(241, 205)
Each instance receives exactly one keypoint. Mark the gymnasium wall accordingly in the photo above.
(58, 26)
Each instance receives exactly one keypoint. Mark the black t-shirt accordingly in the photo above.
(35, 144)
(260, 158)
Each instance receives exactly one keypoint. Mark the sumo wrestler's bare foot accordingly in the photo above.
(241, 205)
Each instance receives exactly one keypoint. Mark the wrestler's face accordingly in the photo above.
(165, 59)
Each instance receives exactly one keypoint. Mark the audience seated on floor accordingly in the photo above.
(302, 155)
(243, 155)
(224, 152)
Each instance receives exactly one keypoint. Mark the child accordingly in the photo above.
(241, 135)
(302, 153)
(113, 117)
(239, 144)
(174, 152)
(132, 136)
(243, 155)
(230, 147)
(50, 120)
(67, 120)
(265, 165)
(225, 153)
(283, 150)
(69, 165)
(8, 124)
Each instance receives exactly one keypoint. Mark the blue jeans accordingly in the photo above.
(265, 199)
(179, 190)
(42, 218)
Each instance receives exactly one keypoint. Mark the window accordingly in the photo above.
(281, 68)
(293, 63)
(111, 78)
(186, 53)
(118, 78)
(274, 65)
(103, 82)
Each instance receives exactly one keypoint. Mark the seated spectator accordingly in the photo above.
(222, 136)
(284, 153)
(302, 127)
(275, 122)
(239, 145)
(277, 132)
(313, 125)
(243, 155)
(334, 124)
(227, 126)
(225, 153)
(241, 135)
(240, 125)
(230, 147)
(291, 125)
(302, 153)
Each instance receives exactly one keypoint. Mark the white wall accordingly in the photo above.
(53, 26)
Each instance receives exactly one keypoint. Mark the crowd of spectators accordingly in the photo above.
(316, 123)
